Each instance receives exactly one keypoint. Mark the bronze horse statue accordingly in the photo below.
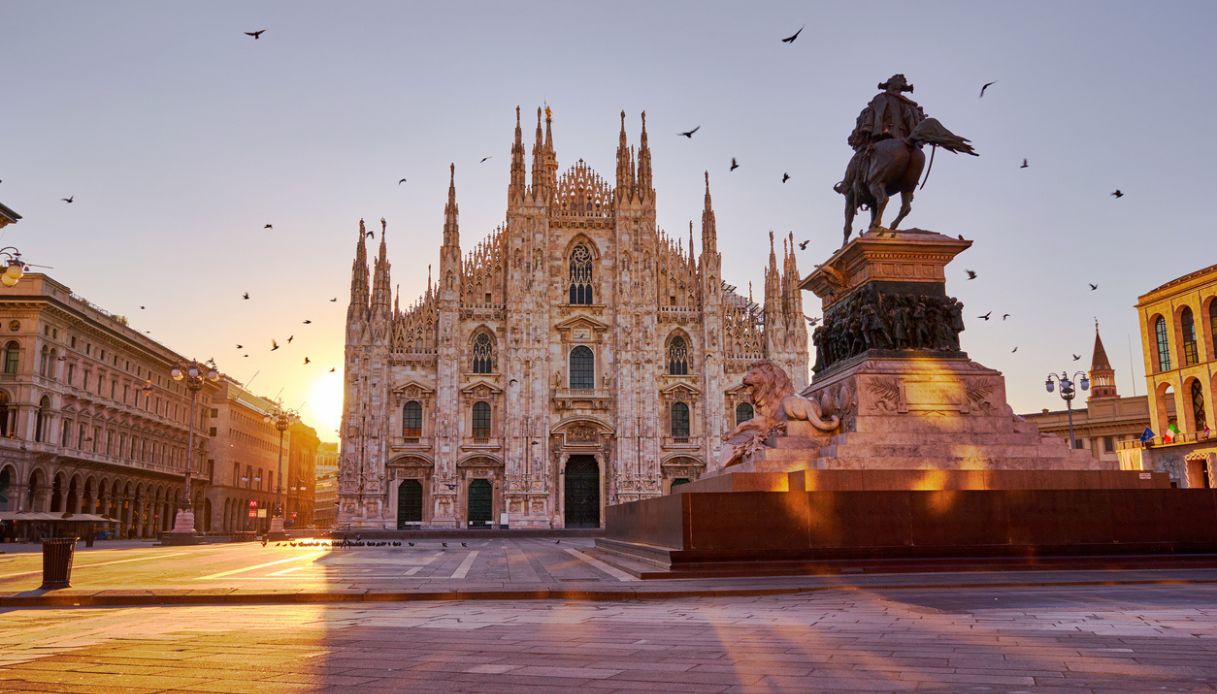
(891, 166)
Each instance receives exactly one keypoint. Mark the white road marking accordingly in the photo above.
(463, 569)
(284, 572)
(78, 567)
(610, 570)
(222, 574)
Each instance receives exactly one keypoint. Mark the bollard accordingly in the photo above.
(57, 553)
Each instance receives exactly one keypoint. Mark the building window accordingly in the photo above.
(40, 418)
(43, 362)
(1187, 326)
(483, 354)
(65, 433)
(582, 368)
(412, 420)
(1198, 414)
(1213, 329)
(680, 421)
(1109, 444)
(481, 421)
(12, 357)
(580, 275)
(743, 412)
(1164, 347)
(6, 427)
(678, 357)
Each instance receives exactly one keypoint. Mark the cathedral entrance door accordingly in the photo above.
(582, 492)
(409, 503)
(479, 504)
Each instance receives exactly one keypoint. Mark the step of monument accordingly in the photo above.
(953, 462)
(897, 438)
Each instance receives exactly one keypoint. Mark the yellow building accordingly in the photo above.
(1179, 342)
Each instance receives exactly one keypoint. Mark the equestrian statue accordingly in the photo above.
(887, 142)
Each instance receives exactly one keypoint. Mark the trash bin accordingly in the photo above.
(57, 553)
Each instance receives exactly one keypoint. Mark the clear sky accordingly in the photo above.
(180, 137)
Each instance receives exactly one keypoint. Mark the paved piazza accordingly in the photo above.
(1070, 639)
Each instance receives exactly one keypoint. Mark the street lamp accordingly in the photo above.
(14, 269)
(281, 418)
(1067, 393)
(193, 375)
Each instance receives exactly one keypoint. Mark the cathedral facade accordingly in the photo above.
(576, 357)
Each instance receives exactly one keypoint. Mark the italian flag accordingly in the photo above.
(1171, 432)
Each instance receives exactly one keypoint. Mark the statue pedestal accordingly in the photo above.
(183, 532)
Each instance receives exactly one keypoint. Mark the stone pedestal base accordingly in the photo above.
(183, 532)
(276, 529)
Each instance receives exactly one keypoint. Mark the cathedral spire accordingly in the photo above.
(538, 160)
(644, 161)
(380, 279)
(516, 188)
(625, 179)
(1102, 376)
(709, 230)
(775, 319)
(692, 262)
(551, 156)
(358, 308)
(452, 232)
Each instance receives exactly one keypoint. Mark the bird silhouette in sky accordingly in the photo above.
(274, 345)
(306, 361)
(514, 380)
(256, 34)
(308, 322)
(483, 161)
(785, 177)
(333, 300)
(985, 86)
(333, 369)
(290, 338)
(372, 234)
(689, 133)
(1093, 286)
(971, 274)
(141, 308)
(986, 316)
(810, 320)
(69, 199)
(240, 347)
(1004, 316)
(1076, 357)
(795, 35)
(1024, 164)
(401, 181)
(1014, 350)
(734, 164)
(245, 296)
(803, 244)
(1117, 193)
(268, 226)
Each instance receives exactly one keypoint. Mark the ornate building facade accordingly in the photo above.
(576, 357)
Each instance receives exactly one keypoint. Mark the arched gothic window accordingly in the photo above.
(580, 275)
(483, 354)
(1187, 326)
(12, 357)
(1164, 347)
(680, 421)
(412, 420)
(743, 412)
(481, 421)
(582, 368)
(678, 357)
(1198, 413)
(43, 363)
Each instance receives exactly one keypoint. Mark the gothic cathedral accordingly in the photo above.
(578, 357)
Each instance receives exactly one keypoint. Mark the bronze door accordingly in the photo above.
(479, 504)
(582, 492)
(409, 503)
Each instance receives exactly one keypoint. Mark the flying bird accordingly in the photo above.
(1014, 350)
(141, 308)
(245, 296)
(290, 338)
(333, 300)
(445, 544)
(986, 316)
(1076, 357)
(307, 322)
(464, 545)
(810, 320)
(483, 161)
(69, 199)
(985, 86)
(1115, 194)
(803, 244)
(1024, 164)
(401, 181)
(1004, 316)
(274, 345)
(240, 347)
(785, 177)
(795, 35)
(306, 361)
(1093, 286)
(268, 226)
(333, 369)
(689, 133)
(256, 34)
(514, 380)
(734, 164)
(971, 274)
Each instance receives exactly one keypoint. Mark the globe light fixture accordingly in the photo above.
(14, 268)
(1067, 393)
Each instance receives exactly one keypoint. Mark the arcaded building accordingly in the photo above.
(576, 357)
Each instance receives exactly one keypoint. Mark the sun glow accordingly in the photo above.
(324, 406)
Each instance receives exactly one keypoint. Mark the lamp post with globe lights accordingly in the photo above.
(1067, 394)
(14, 268)
(193, 375)
(282, 419)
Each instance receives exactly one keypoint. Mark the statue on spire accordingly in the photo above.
(887, 141)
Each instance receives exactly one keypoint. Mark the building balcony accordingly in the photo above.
(583, 398)
(411, 443)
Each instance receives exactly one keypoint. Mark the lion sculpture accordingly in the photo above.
(776, 409)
